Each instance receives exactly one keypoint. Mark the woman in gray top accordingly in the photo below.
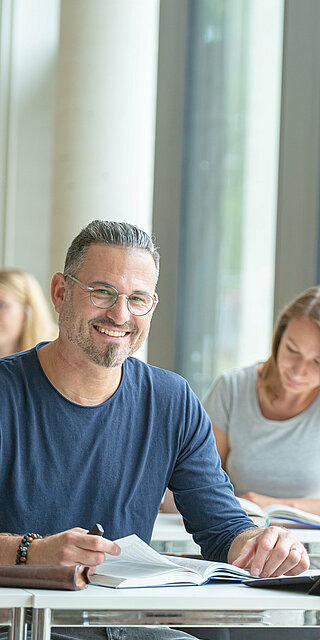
(266, 417)
(266, 420)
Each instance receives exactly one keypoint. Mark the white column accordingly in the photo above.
(105, 116)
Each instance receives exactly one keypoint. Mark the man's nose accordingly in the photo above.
(119, 311)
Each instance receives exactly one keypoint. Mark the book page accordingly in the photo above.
(207, 568)
(251, 507)
(136, 559)
(133, 548)
(140, 565)
(279, 511)
(285, 511)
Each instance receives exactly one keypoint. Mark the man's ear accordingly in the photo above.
(58, 290)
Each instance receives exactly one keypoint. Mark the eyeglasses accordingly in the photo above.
(105, 296)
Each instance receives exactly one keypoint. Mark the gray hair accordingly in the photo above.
(120, 234)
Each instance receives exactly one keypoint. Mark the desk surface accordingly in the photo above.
(14, 598)
(212, 596)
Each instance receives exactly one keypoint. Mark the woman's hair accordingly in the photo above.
(305, 305)
(38, 324)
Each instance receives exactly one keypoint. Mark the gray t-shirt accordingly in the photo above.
(279, 458)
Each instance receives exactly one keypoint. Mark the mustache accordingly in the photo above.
(104, 322)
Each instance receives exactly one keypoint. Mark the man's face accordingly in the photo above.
(108, 336)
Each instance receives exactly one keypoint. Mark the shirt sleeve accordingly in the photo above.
(202, 490)
(217, 402)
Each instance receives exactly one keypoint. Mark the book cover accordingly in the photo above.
(43, 577)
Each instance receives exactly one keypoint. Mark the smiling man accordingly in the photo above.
(122, 322)
(88, 433)
(99, 326)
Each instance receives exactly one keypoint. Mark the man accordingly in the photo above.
(89, 433)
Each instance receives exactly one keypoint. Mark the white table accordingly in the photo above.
(169, 535)
(217, 605)
(13, 604)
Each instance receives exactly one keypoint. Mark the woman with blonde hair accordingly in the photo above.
(25, 317)
(266, 419)
(266, 416)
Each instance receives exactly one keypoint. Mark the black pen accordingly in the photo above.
(96, 530)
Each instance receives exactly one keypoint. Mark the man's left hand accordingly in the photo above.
(269, 552)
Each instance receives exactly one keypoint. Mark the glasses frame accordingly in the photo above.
(154, 297)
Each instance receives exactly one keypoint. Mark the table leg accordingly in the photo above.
(41, 624)
(18, 627)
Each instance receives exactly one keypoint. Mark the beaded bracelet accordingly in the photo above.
(23, 547)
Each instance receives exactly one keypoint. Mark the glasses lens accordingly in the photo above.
(104, 297)
(140, 303)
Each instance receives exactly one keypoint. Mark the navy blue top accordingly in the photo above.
(64, 465)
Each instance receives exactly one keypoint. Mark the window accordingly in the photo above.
(229, 186)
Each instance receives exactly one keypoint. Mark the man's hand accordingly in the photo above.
(269, 552)
(71, 547)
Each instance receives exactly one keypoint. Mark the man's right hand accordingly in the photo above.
(70, 547)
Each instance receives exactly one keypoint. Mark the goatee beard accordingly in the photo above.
(111, 357)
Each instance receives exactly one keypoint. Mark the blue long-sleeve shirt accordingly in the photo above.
(64, 465)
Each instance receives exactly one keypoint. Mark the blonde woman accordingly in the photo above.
(25, 317)
(266, 416)
(266, 423)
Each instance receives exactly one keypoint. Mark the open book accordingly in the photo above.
(281, 512)
(139, 565)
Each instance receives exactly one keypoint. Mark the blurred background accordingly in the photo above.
(197, 120)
